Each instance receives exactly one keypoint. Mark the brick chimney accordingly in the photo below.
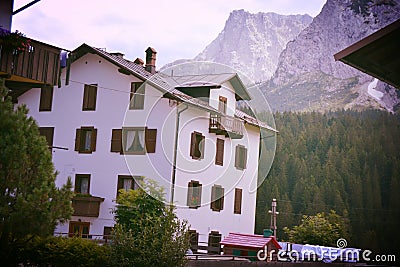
(139, 61)
(151, 60)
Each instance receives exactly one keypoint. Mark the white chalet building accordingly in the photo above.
(113, 121)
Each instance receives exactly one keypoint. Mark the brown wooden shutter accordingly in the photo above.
(46, 98)
(193, 145)
(201, 146)
(213, 198)
(237, 209)
(116, 140)
(78, 140)
(150, 137)
(244, 158)
(221, 197)
(189, 194)
(217, 198)
(93, 140)
(219, 157)
(78, 183)
(47, 132)
(89, 97)
(240, 157)
(237, 157)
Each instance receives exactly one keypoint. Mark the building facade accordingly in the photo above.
(114, 122)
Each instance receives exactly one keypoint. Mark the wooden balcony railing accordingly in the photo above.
(227, 126)
(88, 206)
(38, 63)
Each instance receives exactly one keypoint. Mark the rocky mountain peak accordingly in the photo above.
(252, 43)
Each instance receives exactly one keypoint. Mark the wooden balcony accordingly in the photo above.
(87, 206)
(228, 126)
(36, 66)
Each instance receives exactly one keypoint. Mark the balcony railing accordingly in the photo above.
(227, 126)
(38, 63)
(88, 206)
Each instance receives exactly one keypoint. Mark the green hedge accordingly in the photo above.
(64, 252)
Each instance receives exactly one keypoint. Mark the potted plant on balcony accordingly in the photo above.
(16, 42)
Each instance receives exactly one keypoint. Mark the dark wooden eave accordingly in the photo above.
(377, 54)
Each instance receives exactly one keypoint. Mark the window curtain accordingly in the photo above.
(127, 184)
(135, 140)
(85, 186)
(88, 140)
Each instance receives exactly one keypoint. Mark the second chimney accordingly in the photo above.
(151, 60)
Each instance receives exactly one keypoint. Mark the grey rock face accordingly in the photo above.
(340, 24)
(252, 43)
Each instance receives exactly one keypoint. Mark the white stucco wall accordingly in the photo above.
(160, 113)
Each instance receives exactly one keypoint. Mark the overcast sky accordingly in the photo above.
(175, 28)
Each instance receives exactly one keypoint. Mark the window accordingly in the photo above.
(79, 229)
(194, 194)
(222, 104)
(217, 198)
(197, 145)
(194, 240)
(116, 140)
(137, 96)
(48, 133)
(214, 246)
(219, 155)
(82, 184)
(240, 157)
(127, 182)
(89, 97)
(135, 140)
(85, 140)
(237, 207)
(46, 98)
(107, 233)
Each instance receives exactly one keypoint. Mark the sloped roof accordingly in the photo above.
(213, 80)
(167, 84)
(376, 54)
(248, 241)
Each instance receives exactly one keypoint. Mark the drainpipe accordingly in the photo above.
(178, 115)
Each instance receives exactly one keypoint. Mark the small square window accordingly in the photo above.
(82, 184)
(85, 140)
(48, 133)
(128, 182)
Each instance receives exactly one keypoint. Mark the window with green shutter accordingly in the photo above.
(240, 157)
(194, 194)
(217, 198)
